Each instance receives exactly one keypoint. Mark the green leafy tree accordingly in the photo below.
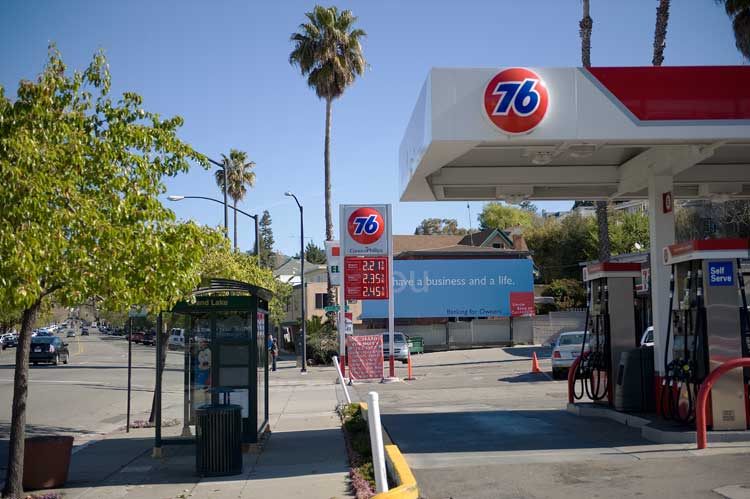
(739, 12)
(501, 216)
(81, 216)
(266, 241)
(439, 226)
(328, 51)
(239, 177)
(559, 246)
(315, 254)
(629, 231)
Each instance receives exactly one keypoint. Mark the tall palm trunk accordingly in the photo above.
(329, 221)
(660, 32)
(234, 203)
(586, 26)
(14, 476)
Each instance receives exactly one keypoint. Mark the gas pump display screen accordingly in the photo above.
(366, 278)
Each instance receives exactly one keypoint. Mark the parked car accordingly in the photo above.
(137, 337)
(48, 349)
(565, 350)
(8, 340)
(149, 338)
(647, 340)
(400, 347)
(70, 334)
(176, 339)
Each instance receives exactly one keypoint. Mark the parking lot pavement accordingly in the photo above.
(477, 423)
(87, 397)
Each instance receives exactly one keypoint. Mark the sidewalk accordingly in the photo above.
(304, 456)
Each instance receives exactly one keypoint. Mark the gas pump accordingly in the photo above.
(610, 327)
(708, 325)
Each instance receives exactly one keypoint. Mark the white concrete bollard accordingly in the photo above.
(376, 442)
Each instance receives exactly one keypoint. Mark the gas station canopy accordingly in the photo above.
(577, 133)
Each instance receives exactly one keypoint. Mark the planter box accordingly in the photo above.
(46, 461)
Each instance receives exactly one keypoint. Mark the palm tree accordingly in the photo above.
(739, 12)
(586, 25)
(327, 50)
(239, 175)
(660, 32)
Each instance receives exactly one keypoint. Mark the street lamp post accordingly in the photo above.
(223, 166)
(254, 217)
(302, 277)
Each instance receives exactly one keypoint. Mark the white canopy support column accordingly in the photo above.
(661, 229)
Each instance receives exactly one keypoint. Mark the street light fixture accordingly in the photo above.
(254, 217)
(302, 277)
(224, 166)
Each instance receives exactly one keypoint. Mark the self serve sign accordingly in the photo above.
(720, 274)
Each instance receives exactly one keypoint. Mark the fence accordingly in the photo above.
(477, 333)
(537, 330)
(547, 327)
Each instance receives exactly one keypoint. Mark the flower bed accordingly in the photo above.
(357, 438)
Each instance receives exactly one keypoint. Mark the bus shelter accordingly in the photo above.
(609, 133)
(221, 337)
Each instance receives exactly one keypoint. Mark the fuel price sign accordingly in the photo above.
(366, 278)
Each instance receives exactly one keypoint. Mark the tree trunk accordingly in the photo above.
(586, 25)
(164, 339)
(329, 220)
(14, 475)
(234, 204)
(660, 32)
(603, 228)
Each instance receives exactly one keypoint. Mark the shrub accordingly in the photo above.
(568, 293)
(322, 341)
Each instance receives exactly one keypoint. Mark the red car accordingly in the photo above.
(137, 337)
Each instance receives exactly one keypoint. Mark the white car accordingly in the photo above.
(176, 339)
(647, 340)
(565, 350)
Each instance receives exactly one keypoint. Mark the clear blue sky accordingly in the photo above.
(223, 66)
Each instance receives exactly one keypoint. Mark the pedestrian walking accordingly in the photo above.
(273, 348)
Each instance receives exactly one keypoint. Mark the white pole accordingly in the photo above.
(391, 311)
(342, 321)
(341, 380)
(376, 442)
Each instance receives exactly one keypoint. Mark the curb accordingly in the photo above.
(397, 467)
(655, 434)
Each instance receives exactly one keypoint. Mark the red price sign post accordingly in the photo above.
(366, 278)
(367, 248)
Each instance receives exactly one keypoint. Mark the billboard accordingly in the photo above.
(457, 288)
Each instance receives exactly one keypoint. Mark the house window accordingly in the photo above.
(321, 300)
(497, 245)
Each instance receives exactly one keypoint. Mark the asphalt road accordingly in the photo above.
(87, 397)
(478, 424)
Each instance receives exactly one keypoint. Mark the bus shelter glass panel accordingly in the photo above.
(200, 360)
(262, 353)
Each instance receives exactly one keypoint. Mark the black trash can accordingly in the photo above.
(218, 440)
